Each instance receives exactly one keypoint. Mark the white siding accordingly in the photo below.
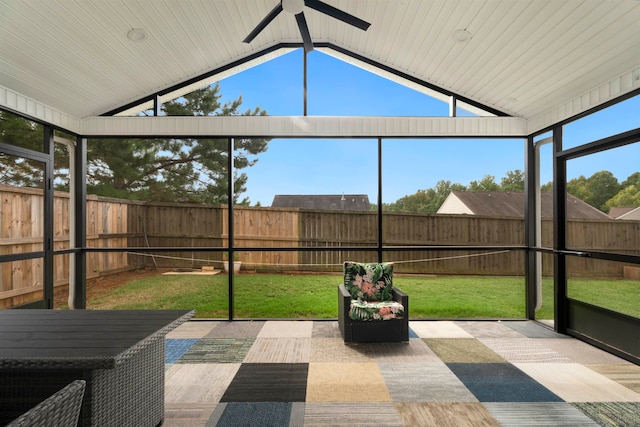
(453, 205)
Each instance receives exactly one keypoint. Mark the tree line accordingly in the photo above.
(601, 190)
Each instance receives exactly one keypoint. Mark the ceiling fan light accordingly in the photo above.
(293, 6)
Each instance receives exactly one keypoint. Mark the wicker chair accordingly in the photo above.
(370, 309)
(60, 409)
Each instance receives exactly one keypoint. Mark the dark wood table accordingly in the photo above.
(120, 353)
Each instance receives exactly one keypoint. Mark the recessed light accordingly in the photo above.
(461, 36)
(137, 34)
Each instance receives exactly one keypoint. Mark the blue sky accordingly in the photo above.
(319, 166)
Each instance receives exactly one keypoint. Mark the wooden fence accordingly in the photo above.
(114, 223)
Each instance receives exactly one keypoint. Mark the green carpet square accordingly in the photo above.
(217, 350)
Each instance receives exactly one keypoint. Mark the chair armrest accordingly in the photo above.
(402, 298)
(344, 302)
(344, 292)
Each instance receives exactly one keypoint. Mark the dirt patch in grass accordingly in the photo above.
(103, 284)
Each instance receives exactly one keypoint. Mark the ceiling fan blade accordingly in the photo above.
(265, 21)
(337, 13)
(304, 32)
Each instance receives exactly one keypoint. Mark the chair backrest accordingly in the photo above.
(60, 409)
(369, 281)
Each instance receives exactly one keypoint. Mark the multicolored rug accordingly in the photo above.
(300, 373)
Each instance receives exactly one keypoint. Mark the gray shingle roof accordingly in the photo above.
(511, 204)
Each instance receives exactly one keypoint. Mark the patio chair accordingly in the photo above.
(370, 309)
(60, 409)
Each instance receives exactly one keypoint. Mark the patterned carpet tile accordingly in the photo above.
(501, 382)
(174, 349)
(193, 329)
(539, 414)
(182, 415)
(263, 414)
(335, 350)
(401, 352)
(533, 329)
(326, 330)
(268, 382)
(578, 351)
(236, 329)
(486, 329)
(198, 384)
(279, 350)
(626, 374)
(424, 382)
(359, 414)
(217, 350)
(574, 382)
(523, 350)
(463, 350)
(439, 329)
(346, 382)
(612, 414)
(450, 373)
(286, 329)
(445, 414)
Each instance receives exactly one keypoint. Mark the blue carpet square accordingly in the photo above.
(501, 382)
(412, 334)
(174, 349)
(250, 414)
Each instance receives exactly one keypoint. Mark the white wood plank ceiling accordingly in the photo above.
(524, 57)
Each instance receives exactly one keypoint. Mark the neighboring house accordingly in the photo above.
(626, 213)
(511, 204)
(342, 202)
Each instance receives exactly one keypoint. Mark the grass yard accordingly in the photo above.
(315, 296)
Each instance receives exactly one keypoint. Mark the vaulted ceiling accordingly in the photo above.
(521, 57)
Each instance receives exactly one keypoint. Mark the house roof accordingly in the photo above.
(541, 61)
(345, 202)
(511, 204)
(627, 213)
(618, 211)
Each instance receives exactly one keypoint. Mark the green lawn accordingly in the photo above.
(315, 296)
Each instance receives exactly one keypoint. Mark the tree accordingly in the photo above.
(603, 186)
(595, 190)
(425, 201)
(633, 179)
(17, 131)
(628, 196)
(175, 169)
(487, 183)
(513, 181)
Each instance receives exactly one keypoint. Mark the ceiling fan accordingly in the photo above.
(295, 7)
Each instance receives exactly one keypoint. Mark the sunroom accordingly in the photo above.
(547, 93)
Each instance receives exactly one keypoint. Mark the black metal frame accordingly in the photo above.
(155, 97)
(565, 321)
(46, 158)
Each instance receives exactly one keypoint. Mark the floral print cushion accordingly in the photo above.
(368, 281)
(383, 310)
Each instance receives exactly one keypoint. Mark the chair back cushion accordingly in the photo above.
(368, 281)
